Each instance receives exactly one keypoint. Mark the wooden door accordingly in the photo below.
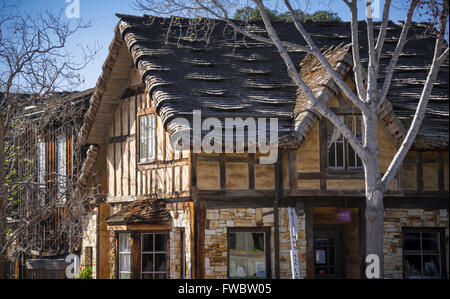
(328, 254)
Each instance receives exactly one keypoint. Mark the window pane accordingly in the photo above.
(413, 266)
(351, 156)
(124, 243)
(331, 254)
(238, 266)
(431, 265)
(160, 275)
(160, 262)
(256, 266)
(147, 242)
(151, 137)
(237, 242)
(340, 154)
(430, 242)
(143, 138)
(147, 263)
(321, 256)
(255, 242)
(331, 156)
(411, 241)
(124, 262)
(160, 242)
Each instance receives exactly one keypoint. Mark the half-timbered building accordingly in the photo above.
(180, 213)
(47, 163)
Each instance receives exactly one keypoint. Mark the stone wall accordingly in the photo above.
(181, 220)
(216, 243)
(90, 240)
(395, 219)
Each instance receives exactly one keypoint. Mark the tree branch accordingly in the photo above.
(438, 59)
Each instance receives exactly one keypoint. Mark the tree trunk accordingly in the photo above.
(374, 227)
(374, 193)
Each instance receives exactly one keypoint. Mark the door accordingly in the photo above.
(328, 254)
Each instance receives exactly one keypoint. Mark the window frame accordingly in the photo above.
(130, 272)
(441, 249)
(345, 144)
(148, 158)
(267, 249)
(62, 184)
(167, 253)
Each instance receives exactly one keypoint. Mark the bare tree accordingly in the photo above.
(35, 65)
(367, 98)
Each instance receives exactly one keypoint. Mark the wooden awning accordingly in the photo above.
(141, 212)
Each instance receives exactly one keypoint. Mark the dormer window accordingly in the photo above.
(341, 155)
(147, 138)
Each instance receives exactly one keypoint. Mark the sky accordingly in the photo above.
(101, 14)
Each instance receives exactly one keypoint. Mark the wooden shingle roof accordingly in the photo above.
(208, 67)
(142, 211)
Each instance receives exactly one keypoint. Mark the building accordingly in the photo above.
(171, 213)
(47, 166)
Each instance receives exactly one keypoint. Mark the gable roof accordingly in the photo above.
(208, 67)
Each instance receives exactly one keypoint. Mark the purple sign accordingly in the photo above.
(344, 216)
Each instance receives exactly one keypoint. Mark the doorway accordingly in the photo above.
(328, 254)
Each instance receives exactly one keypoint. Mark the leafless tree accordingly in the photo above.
(35, 65)
(367, 98)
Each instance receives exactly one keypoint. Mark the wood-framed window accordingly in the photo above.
(124, 269)
(423, 253)
(249, 253)
(62, 168)
(147, 138)
(341, 155)
(154, 255)
(41, 168)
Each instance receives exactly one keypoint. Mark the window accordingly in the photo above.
(341, 155)
(147, 138)
(62, 168)
(423, 253)
(124, 256)
(153, 256)
(41, 170)
(248, 254)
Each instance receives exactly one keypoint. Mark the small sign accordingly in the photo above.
(344, 216)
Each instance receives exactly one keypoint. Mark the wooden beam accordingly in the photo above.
(309, 230)
(223, 175)
(292, 164)
(419, 172)
(323, 147)
(441, 185)
(251, 171)
(199, 239)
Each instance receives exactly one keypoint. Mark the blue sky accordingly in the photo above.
(101, 13)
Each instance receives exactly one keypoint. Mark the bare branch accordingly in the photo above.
(346, 132)
(398, 50)
(438, 59)
(359, 103)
